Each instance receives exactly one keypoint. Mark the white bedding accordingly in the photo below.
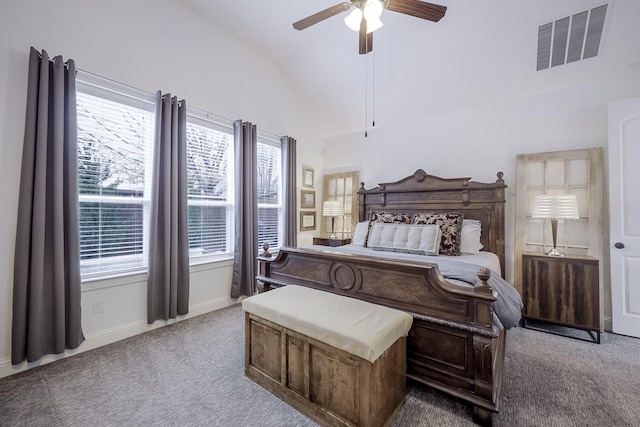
(483, 259)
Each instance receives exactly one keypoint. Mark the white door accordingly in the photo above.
(624, 210)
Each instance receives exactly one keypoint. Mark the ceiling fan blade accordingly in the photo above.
(365, 39)
(417, 8)
(321, 16)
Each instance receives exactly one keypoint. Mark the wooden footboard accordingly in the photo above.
(453, 345)
(466, 365)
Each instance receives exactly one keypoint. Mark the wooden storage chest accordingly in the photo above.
(328, 384)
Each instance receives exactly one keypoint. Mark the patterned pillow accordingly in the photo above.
(451, 225)
(391, 218)
(387, 218)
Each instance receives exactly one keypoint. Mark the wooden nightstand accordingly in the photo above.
(562, 290)
(330, 242)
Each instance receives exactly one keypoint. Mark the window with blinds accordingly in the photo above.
(115, 143)
(269, 193)
(209, 176)
(115, 136)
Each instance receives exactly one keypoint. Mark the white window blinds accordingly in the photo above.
(115, 134)
(269, 193)
(209, 176)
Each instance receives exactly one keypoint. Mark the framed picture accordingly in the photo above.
(307, 199)
(307, 176)
(307, 220)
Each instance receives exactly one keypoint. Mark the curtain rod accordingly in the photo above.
(208, 114)
(198, 110)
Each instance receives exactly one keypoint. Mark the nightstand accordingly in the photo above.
(330, 242)
(563, 291)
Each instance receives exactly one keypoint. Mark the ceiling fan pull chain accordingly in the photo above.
(373, 93)
(366, 93)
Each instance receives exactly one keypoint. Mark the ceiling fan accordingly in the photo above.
(365, 17)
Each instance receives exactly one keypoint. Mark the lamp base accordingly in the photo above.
(555, 252)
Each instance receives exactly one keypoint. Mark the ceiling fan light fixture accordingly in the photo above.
(353, 19)
(372, 10)
(365, 16)
(373, 24)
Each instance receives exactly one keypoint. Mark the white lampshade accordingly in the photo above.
(372, 13)
(332, 208)
(372, 10)
(556, 206)
(373, 24)
(353, 19)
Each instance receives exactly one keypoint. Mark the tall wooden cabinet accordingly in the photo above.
(562, 290)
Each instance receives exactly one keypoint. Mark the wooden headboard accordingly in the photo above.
(422, 192)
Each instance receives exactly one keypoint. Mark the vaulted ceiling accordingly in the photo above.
(481, 52)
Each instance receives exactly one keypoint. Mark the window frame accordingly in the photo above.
(589, 193)
(344, 225)
(111, 91)
(90, 84)
(204, 119)
(273, 141)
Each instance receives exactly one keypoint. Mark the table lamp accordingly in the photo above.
(555, 207)
(332, 208)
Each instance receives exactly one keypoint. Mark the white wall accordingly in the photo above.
(150, 45)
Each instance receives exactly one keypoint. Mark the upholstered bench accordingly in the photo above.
(338, 360)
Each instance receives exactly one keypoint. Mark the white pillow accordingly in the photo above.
(470, 240)
(359, 236)
(415, 239)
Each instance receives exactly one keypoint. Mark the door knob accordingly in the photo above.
(619, 245)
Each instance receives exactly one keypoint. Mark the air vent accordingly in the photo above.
(571, 38)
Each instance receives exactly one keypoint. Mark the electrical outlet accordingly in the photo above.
(98, 306)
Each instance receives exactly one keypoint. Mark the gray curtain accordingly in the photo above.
(168, 271)
(289, 201)
(46, 277)
(246, 197)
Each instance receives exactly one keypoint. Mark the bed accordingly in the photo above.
(457, 340)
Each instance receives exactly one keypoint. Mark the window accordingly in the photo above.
(115, 136)
(115, 143)
(269, 192)
(209, 176)
(342, 187)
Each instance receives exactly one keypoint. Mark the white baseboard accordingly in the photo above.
(112, 335)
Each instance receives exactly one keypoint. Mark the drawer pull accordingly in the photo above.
(619, 245)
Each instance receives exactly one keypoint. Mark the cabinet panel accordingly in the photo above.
(563, 290)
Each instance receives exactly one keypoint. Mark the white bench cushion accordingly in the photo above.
(357, 327)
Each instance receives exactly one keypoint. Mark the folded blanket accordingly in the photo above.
(508, 306)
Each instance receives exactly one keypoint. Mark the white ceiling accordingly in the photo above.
(481, 52)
